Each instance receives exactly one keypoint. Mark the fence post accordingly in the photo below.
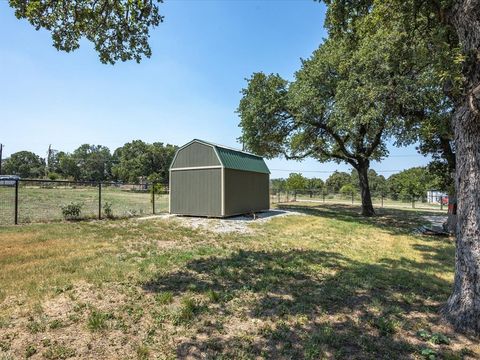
(441, 202)
(413, 202)
(382, 200)
(352, 197)
(16, 202)
(99, 201)
(153, 198)
(323, 194)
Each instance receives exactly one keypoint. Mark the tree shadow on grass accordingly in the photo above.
(395, 221)
(316, 303)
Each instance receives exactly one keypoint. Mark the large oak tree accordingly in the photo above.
(449, 33)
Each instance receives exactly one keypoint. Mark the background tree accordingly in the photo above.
(138, 159)
(315, 186)
(412, 184)
(296, 183)
(93, 161)
(347, 190)
(67, 166)
(118, 29)
(24, 164)
(278, 185)
(336, 181)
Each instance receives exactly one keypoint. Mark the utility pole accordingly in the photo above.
(47, 163)
(1, 150)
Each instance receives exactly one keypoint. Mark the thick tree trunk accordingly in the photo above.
(367, 206)
(463, 307)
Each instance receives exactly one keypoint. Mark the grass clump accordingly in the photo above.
(189, 307)
(30, 351)
(164, 298)
(98, 320)
(59, 352)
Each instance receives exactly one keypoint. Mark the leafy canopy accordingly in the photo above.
(118, 29)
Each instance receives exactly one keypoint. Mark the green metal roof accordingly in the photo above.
(239, 160)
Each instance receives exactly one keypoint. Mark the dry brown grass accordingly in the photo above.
(327, 285)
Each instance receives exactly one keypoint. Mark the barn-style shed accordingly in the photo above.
(216, 181)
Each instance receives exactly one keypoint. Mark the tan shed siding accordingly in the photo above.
(196, 192)
(246, 192)
(196, 154)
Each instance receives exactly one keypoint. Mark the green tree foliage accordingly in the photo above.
(138, 159)
(377, 182)
(412, 184)
(118, 29)
(24, 164)
(278, 185)
(345, 102)
(296, 182)
(336, 181)
(93, 161)
(347, 190)
(68, 167)
(442, 45)
(315, 184)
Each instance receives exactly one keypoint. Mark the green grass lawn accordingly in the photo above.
(328, 284)
(376, 200)
(38, 204)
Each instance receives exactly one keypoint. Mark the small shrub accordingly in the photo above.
(98, 320)
(107, 210)
(30, 351)
(164, 298)
(72, 211)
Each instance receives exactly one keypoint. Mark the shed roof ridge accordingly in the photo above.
(226, 147)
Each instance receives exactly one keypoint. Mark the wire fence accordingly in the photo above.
(33, 201)
(379, 199)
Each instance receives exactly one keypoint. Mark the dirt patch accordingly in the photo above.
(237, 224)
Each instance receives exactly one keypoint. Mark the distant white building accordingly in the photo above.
(436, 197)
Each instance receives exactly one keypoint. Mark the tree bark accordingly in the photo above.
(463, 306)
(367, 206)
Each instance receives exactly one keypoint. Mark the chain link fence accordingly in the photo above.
(379, 199)
(33, 201)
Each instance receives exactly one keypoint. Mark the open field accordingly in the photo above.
(38, 204)
(376, 200)
(326, 285)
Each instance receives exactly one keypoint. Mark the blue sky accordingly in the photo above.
(189, 88)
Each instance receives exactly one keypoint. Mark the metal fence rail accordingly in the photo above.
(32, 201)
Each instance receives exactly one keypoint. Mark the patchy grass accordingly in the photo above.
(42, 204)
(327, 285)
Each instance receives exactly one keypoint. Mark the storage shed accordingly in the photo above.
(216, 181)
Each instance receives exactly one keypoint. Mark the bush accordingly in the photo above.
(107, 210)
(72, 211)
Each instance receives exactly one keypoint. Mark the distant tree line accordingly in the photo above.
(404, 185)
(134, 162)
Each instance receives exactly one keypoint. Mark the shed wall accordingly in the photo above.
(196, 192)
(196, 154)
(246, 192)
